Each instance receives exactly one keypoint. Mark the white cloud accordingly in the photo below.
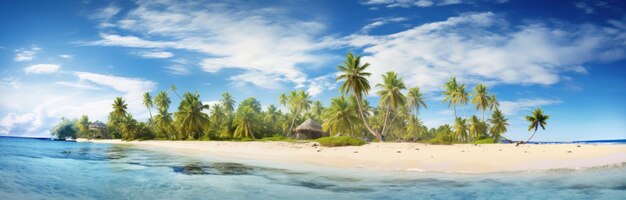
(177, 70)
(36, 107)
(155, 54)
(66, 56)
(42, 69)
(260, 39)
(10, 82)
(380, 22)
(320, 84)
(524, 105)
(468, 47)
(26, 54)
(426, 3)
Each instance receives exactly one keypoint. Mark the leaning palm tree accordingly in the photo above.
(162, 101)
(415, 100)
(391, 97)
(228, 102)
(450, 92)
(246, 123)
(147, 102)
(356, 84)
(298, 101)
(340, 117)
(537, 119)
(173, 89)
(481, 98)
(498, 124)
(460, 129)
(190, 117)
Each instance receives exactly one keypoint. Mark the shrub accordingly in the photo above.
(340, 141)
(439, 140)
(483, 141)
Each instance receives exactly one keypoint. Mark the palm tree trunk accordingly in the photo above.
(385, 121)
(464, 115)
(531, 137)
(378, 136)
(292, 122)
(454, 106)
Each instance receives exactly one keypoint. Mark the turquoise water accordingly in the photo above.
(40, 169)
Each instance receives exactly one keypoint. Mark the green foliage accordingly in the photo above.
(341, 117)
(340, 141)
(483, 141)
(64, 129)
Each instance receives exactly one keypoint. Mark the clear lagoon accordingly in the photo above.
(43, 169)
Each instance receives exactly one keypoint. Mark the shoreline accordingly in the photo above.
(416, 157)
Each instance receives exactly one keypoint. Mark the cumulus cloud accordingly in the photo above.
(177, 70)
(426, 3)
(479, 47)
(42, 69)
(26, 54)
(10, 81)
(323, 83)
(260, 39)
(523, 105)
(66, 56)
(380, 22)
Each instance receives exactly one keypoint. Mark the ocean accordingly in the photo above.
(43, 169)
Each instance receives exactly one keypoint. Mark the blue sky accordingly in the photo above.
(73, 57)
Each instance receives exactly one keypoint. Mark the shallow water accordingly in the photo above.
(40, 169)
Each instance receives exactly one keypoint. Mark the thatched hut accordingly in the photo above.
(309, 129)
(99, 130)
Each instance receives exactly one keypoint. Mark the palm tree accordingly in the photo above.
(391, 97)
(128, 127)
(462, 97)
(481, 98)
(493, 103)
(536, 120)
(246, 123)
(173, 89)
(83, 126)
(415, 100)
(414, 128)
(340, 117)
(228, 102)
(298, 101)
(317, 110)
(164, 124)
(271, 118)
(162, 101)
(282, 100)
(119, 108)
(356, 84)
(498, 124)
(460, 129)
(446, 132)
(217, 115)
(476, 127)
(190, 116)
(147, 102)
(450, 91)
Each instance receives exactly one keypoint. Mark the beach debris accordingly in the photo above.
(577, 145)
(499, 149)
(66, 152)
(314, 145)
(417, 149)
(462, 151)
(398, 151)
(319, 150)
(355, 152)
(525, 152)
(569, 151)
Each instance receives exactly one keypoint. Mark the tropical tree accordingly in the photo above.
(119, 108)
(450, 92)
(391, 97)
(83, 126)
(493, 102)
(228, 102)
(476, 127)
(353, 73)
(190, 118)
(173, 89)
(481, 98)
(162, 101)
(147, 102)
(460, 129)
(271, 119)
(462, 97)
(128, 127)
(282, 100)
(498, 124)
(537, 119)
(246, 123)
(218, 115)
(317, 110)
(340, 118)
(414, 128)
(164, 125)
(445, 131)
(415, 100)
(298, 101)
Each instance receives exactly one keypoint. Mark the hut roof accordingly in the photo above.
(309, 125)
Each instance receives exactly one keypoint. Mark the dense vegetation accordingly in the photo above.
(395, 118)
(340, 141)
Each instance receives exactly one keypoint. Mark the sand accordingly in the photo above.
(461, 158)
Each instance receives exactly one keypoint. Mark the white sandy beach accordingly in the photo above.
(465, 158)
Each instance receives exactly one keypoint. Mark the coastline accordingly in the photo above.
(457, 158)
